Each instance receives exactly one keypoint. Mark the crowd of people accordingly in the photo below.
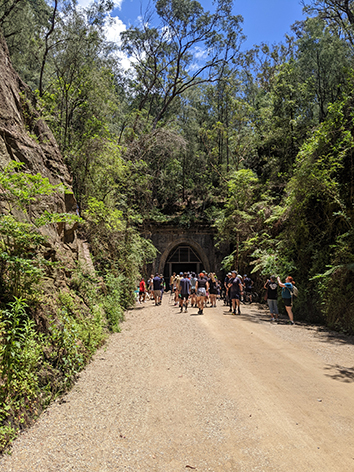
(201, 290)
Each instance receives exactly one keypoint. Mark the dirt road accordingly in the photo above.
(177, 391)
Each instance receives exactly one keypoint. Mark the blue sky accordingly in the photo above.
(264, 20)
(267, 20)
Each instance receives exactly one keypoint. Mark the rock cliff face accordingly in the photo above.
(25, 138)
(65, 322)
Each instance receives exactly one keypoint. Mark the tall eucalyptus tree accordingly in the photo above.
(188, 47)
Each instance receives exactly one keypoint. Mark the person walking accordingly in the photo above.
(248, 285)
(272, 295)
(235, 287)
(172, 278)
(193, 290)
(213, 290)
(162, 285)
(178, 279)
(227, 300)
(202, 287)
(151, 286)
(157, 289)
(185, 285)
(286, 293)
(142, 290)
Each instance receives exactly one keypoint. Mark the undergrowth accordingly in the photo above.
(47, 335)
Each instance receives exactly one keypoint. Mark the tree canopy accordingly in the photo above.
(257, 144)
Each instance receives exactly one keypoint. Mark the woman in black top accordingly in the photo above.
(272, 294)
(201, 287)
(213, 290)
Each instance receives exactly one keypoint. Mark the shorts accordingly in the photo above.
(157, 293)
(201, 292)
(184, 296)
(141, 292)
(234, 296)
(287, 301)
(192, 291)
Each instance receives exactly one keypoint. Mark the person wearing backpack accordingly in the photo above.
(287, 296)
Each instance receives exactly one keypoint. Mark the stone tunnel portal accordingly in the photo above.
(181, 250)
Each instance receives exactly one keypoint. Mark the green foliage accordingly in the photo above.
(18, 337)
(114, 302)
(50, 218)
(318, 228)
(239, 220)
(19, 355)
(25, 188)
(20, 265)
(36, 367)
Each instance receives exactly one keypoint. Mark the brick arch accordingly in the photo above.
(187, 242)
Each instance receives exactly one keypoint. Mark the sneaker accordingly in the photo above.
(291, 322)
(185, 310)
(181, 309)
(234, 312)
(239, 311)
(272, 319)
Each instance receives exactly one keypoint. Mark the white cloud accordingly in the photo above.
(200, 53)
(114, 29)
(86, 3)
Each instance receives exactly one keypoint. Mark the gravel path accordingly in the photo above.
(176, 392)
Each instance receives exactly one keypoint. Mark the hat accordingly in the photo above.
(229, 273)
(181, 273)
(233, 272)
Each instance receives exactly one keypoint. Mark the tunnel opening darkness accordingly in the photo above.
(182, 259)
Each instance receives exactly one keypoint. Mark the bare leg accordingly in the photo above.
(201, 303)
(290, 313)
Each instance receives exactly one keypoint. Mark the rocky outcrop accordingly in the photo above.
(25, 138)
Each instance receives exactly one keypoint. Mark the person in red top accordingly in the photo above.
(142, 290)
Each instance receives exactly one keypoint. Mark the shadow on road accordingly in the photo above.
(338, 372)
(329, 336)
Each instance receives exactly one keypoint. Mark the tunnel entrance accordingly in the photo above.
(182, 259)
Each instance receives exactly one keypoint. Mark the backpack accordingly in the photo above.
(295, 291)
